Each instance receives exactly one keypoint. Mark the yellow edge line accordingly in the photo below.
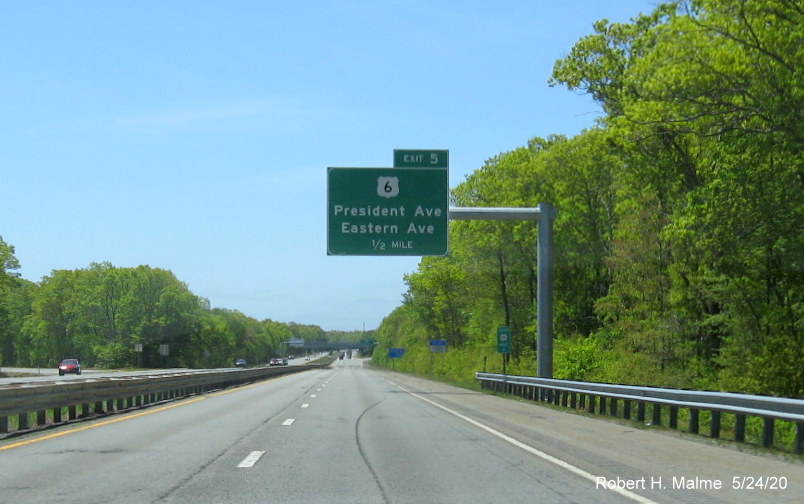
(129, 417)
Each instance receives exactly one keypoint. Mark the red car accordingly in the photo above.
(69, 366)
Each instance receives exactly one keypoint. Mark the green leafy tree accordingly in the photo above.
(705, 98)
(10, 313)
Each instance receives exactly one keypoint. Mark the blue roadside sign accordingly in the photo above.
(438, 345)
(396, 353)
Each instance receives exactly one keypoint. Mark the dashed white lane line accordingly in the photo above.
(313, 395)
(289, 421)
(305, 405)
(251, 459)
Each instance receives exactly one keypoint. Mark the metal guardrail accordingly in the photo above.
(606, 398)
(28, 406)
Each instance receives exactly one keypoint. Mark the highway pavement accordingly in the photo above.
(358, 435)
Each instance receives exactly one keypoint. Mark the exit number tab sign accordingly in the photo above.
(418, 158)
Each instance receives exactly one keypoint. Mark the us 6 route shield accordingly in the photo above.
(387, 211)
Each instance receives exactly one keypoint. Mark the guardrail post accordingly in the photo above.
(3, 424)
(739, 428)
(767, 433)
(657, 414)
(57, 415)
(694, 420)
(799, 447)
(22, 423)
(674, 417)
(714, 431)
(627, 409)
(641, 411)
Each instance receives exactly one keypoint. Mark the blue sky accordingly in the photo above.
(195, 136)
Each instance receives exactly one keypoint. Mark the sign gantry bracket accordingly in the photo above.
(544, 214)
(404, 211)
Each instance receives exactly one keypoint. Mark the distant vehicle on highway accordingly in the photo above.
(69, 366)
(275, 362)
(240, 363)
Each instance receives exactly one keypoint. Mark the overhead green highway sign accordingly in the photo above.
(387, 211)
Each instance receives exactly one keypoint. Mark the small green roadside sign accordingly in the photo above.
(504, 340)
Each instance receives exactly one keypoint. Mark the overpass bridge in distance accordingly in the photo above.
(323, 345)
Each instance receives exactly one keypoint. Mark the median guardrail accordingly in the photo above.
(28, 406)
(623, 401)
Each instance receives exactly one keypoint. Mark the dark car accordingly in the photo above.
(69, 366)
(240, 363)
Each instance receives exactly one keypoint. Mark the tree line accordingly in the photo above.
(679, 233)
(101, 314)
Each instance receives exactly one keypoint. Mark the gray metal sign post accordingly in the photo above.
(544, 213)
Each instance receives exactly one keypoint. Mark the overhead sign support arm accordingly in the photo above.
(544, 213)
(404, 211)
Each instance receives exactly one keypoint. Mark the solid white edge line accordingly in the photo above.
(251, 459)
(549, 458)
